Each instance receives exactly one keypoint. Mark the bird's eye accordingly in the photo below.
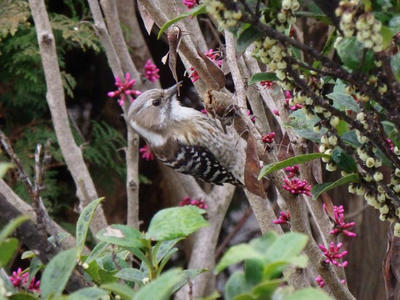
(156, 102)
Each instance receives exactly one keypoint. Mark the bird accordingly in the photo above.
(184, 138)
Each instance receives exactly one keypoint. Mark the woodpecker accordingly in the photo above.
(184, 138)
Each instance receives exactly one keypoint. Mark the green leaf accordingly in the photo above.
(265, 289)
(175, 222)
(122, 290)
(307, 294)
(350, 138)
(21, 296)
(343, 160)
(11, 226)
(165, 247)
(82, 226)
(286, 246)
(387, 35)
(265, 76)
(343, 102)
(34, 267)
(188, 275)
(275, 269)
(4, 167)
(90, 293)
(162, 287)
(395, 63)
(318, 189)
(121, 235)
(236, 285)
(299, 159)
(253, 270)
(98, 250)
(237, 254)
(199, 9)
(57, 272)
(131, 274)
(342, 128)
(7, 250)
(309, 134)
(351, 53)
(262, 243)
(246, 37)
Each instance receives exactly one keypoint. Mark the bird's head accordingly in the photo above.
(153, 109)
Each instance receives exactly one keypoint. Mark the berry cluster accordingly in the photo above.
(268, 138)
(297, 186)
(284, 218)
(196, 202)
(20, 280)
(292, 171)
(151, 71)
(333, 254)
(124, 89)
(146, 153)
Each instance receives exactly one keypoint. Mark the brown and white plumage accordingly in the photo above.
(184, 138)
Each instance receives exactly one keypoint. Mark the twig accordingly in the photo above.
(221, 248)
(43, 219)
(56, 101)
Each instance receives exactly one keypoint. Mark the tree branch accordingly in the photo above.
(56, 101)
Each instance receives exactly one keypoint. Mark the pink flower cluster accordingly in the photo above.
(333, 253)
(190, 3)
(391, 145)
(197, 202)
(340, 225)
(321, 282)
(288, 96)
(151, 71)
(211, 54)
(297, 186)
(292, 171)
(284, 218)
(124, 89)
(268, 138)
(146, 153)
(267, 84)
(20, 280)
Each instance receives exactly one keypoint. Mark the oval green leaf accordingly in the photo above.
(246, 37)
(299, 159)
(11, 226)
(56, 274)
(175, 222)
(162, 287)
(131, 274)
(307, 294)
(237, 254)
(82, 226)
(90, 293)
(122, 290)
(318, 189)
(121, 235)
(7, 250)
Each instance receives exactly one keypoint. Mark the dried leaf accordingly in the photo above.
(215, 72)
(328, 205)
(174, 37)
(252, 168)
(148, 21)
(317, 170)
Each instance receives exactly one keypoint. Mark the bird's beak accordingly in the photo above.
(172, 90)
